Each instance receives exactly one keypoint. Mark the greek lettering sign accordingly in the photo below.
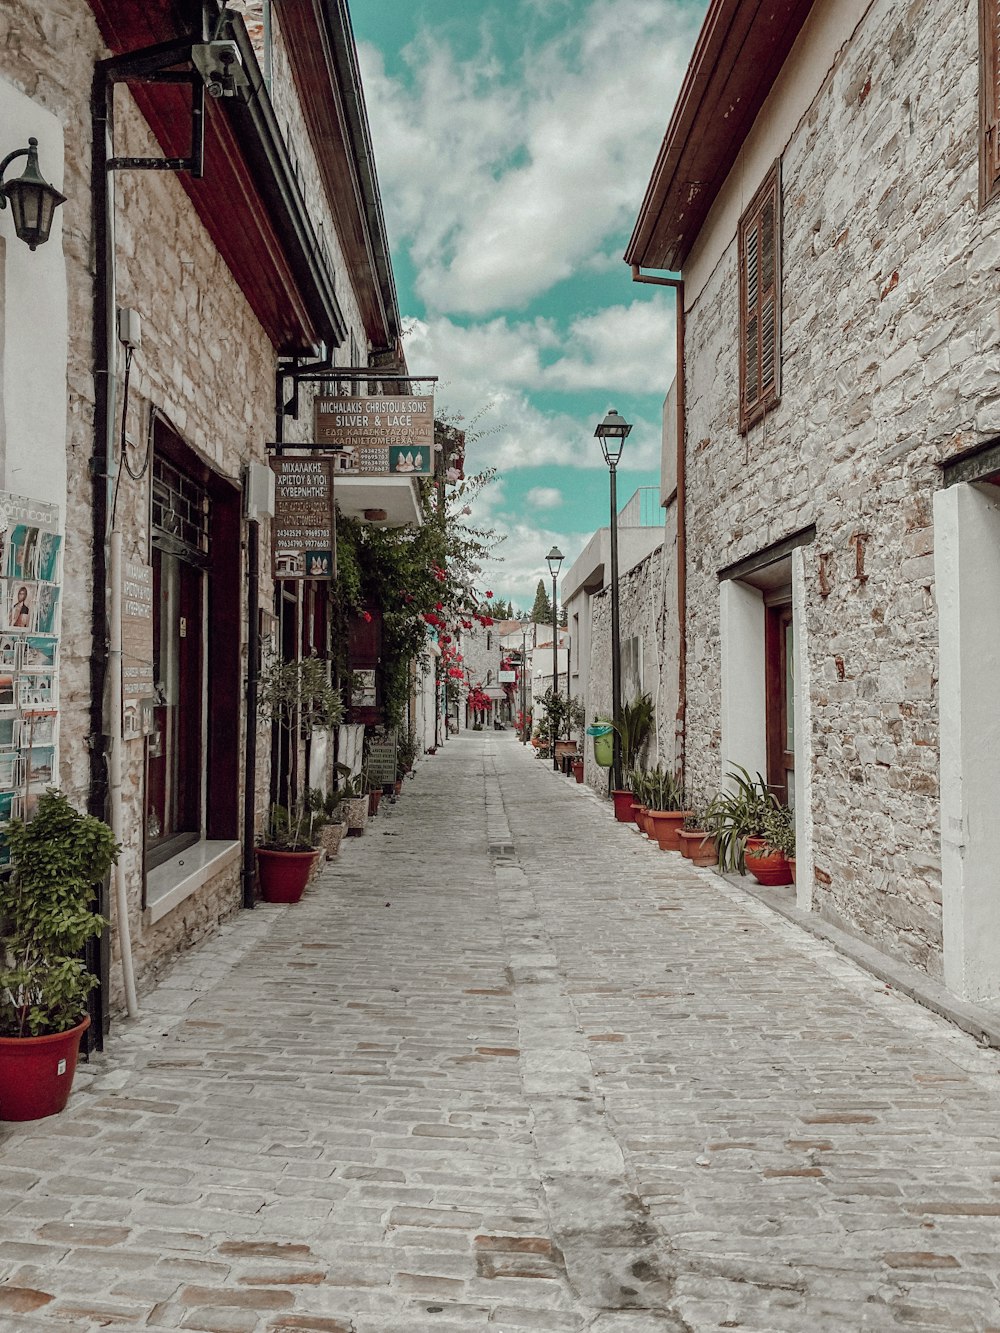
(378, 437)
(303, 542)
(137, 631)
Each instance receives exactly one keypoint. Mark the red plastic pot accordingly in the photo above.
(664, 826)
(771, 869)
(284, 875)
(36, 1073)
(578, 769)
(623, 806)
(698, 846)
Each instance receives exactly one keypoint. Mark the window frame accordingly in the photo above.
(767, 198)
(989, 100)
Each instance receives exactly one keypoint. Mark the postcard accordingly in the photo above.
(10, 806)
(10, 651)
(10, 731)
(38, 727)
(47, 608)
(21, 605)
(10, 771)
(39, 652)
(35, 690)
(38, 767)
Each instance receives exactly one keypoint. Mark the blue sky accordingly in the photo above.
(513, 141)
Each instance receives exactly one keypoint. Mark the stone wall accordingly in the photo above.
(890, 342)
(647, 609)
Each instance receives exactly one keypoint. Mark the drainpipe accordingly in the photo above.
(106, 681)
(678, 285)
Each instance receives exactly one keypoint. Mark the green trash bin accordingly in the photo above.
(603, 735)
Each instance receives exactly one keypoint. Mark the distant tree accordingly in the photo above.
(562, 618)
(502, 610)
(541, 612)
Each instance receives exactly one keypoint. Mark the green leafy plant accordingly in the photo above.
(740, 812)
(46, 916)
(633, 727)
(406, 752)
(663, 790)
(298, 698)
(779, 830)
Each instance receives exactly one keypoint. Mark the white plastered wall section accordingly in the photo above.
(744, 701)
(967, 581)
(34, 330)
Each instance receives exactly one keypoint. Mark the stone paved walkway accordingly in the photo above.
(508, 1066)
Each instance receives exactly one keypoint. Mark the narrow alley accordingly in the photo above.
(507, 1065)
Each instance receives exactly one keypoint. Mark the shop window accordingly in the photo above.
(194, 753)
(989, 144)
(175, 782)
(760, 301)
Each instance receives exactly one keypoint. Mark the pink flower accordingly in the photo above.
(489, 594)
(366, 616)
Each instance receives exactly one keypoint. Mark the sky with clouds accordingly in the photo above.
(514, 140)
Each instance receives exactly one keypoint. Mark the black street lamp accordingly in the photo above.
(612, 433)
(554, 559)
(33, 201)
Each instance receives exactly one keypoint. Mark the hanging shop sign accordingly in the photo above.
(303, 539)
(378, 437)
(137, 639)
(506, 677)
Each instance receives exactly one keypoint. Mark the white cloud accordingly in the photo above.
(544, 497)
(502, 188)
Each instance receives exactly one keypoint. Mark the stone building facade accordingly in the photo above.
(232, 274)
(852, 505)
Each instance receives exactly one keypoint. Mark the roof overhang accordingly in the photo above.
(248, 199)
(396, 497)
(325, 68)
(739, 54)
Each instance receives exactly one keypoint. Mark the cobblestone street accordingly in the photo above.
(507, 1065)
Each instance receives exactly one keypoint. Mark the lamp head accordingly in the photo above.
(554, 559)
(33, 201)
(612, 433)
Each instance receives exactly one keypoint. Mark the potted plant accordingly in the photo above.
(636, 782)
(739, 815)
(329, 821)
(406, 753)
(355, 798)
(632, 727)
(774, 853)
(46, 916)
(666, 809)
(297, 698)
(697, 844)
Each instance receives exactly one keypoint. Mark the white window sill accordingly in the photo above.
(169, 884)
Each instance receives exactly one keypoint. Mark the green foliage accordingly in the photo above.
(657, 789)
(541, 611)
(561, 715)
(300, 690)
(406, 752)
(633, 728)
(290, 830)
(779, 829)
(46, 917)
(740, 812)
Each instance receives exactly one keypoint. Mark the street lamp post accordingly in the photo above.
(524, 687)
(612, 433)
(554, 559)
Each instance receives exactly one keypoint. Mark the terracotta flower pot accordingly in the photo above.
(374, 797)
(791, 867)
(284, 875)
(36, 1073)
(665, 825)
(698, 846)
(397, 786)
(578, 769)
(770, 869)
(623, 806)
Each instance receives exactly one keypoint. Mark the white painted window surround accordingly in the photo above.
(967, 588)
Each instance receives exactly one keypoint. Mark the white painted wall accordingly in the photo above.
(34, 336)
(967, 588)
(744, 722)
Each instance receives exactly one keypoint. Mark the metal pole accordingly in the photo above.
(616, 666)
(555, 673)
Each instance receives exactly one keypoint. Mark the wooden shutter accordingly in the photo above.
(990, 98)
(760, 300)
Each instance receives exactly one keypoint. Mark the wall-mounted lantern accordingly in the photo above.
(33, 201)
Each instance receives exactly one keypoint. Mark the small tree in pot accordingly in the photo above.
(46, 917)
(297, 698)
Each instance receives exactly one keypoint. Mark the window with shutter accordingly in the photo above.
(989, 13)
(760, 300)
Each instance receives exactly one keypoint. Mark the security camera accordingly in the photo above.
(220, 65)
